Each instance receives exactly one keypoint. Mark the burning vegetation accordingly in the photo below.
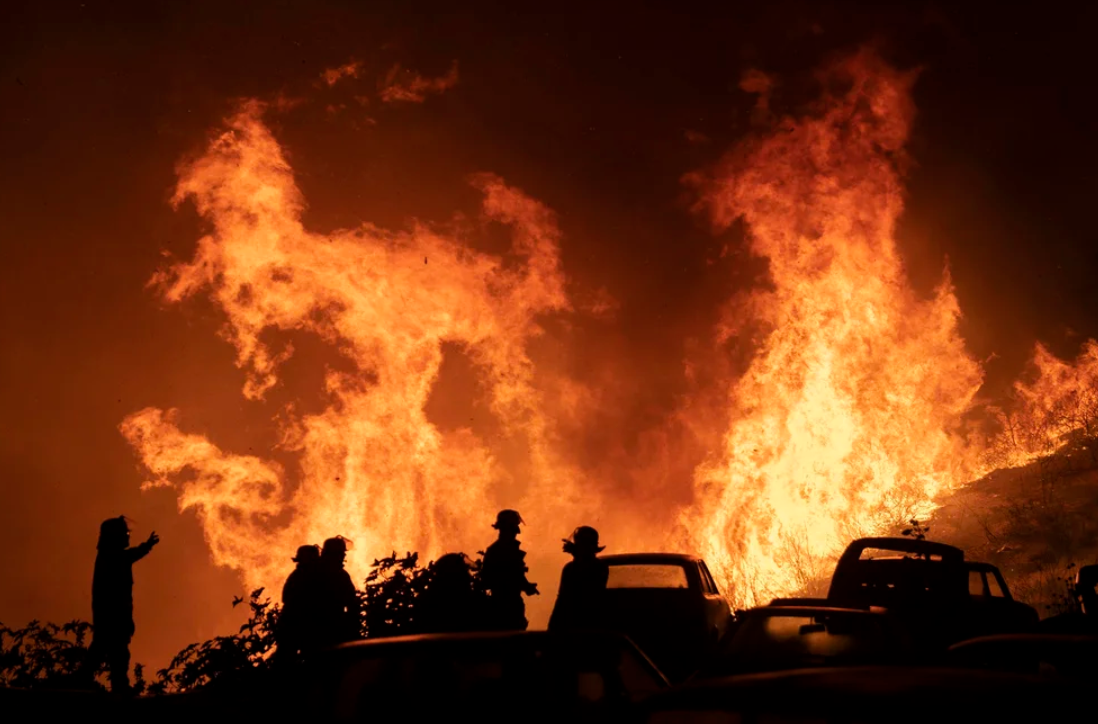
(849, 419)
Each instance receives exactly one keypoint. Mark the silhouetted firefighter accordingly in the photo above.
(582, 584)
(298, 622)
(112, 601)
(449, 605)
(504, 575)
(1083, 620)
(338, 619)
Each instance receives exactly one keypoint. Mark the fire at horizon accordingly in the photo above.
(849, 419)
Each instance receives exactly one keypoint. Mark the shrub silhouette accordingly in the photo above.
(391, 590)
(51, 656)
(224, 660)
(917, 530)
(47, 655)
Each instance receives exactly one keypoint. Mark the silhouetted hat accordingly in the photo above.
(585, 538)
(508, 519)
(114, 526)
(113, 533)
(307, 553)
(338, 543)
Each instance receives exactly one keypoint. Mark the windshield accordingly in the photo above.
(647, 575)
(887, 582)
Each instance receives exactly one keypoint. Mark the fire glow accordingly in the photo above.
(372, 466)
(848, 420)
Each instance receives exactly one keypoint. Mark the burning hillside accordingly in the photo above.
(849, 418)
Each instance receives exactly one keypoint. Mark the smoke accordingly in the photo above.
(406, 86)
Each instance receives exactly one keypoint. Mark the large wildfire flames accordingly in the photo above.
(848, 420)
(845, 421)
(372, 466)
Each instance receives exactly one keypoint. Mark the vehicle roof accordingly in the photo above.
(807, 611)
(390, 645)
(822, 691)
(906, 545)
(666, 558)
(455, 639)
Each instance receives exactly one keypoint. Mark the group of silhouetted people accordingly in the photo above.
(321, 605)
(579, 598)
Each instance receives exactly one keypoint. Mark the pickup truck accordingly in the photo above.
(931, 586)
(670, 606)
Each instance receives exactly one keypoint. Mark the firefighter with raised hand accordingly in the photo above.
(504, 575)
(112, 601)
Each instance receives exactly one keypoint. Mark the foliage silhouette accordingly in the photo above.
(47, 655)
(917, 530)
(51, 656)
(1067, 599)
(391, 590)
(224, 660)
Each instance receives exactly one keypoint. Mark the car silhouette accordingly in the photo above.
(492, 676)
(669, 605)
(867, 695)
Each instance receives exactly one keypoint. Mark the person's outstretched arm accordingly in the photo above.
(140, 551)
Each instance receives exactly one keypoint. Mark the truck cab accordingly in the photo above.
(991, 597)
(930, 585)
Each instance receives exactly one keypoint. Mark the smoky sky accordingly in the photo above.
(596, 112)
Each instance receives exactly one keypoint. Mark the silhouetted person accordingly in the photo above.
(338, 615)
(1084, 621)
(504, 575)
(112, 600)
(580, 598)
(449, 604)
(298, 622)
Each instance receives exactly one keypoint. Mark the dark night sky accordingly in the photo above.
(586, 110)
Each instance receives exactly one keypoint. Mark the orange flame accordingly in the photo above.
(373, 466)
(847, 420)
(1060, 403)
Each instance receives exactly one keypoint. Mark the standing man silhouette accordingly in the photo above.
(339, 608)
(504, 575)
(580, 598)
(298, 623)
(112, 600)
